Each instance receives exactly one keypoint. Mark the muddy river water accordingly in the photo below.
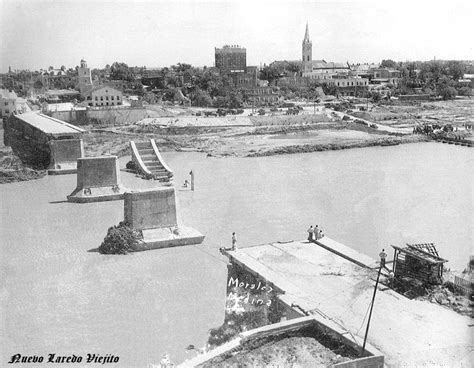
(56, 297)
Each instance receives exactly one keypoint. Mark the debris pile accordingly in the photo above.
(13, 170)
(443, 296)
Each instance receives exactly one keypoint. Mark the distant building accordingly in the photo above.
(385, 75)
(246, 79)
(231, 59)
(347, 86)
(467, 80)
(262, 95)
(338, 75)
(61, 95)
(319, 69)
(56, 78)
(10, 103)
(103, 96)
(84, 78)
(364, 70)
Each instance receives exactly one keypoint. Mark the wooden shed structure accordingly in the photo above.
(418, 261)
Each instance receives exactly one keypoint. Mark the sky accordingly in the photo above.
(41, 33)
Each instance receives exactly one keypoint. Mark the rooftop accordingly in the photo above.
(61, 92)
(8, 95)
(322, 64)
(48, 124)
(102, 86)
(426, 252)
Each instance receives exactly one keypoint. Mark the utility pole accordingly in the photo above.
(370, 313)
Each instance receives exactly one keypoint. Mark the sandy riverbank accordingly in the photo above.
(246, 141)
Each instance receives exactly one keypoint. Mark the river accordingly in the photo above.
(58, 298)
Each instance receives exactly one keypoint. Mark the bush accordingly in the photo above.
(131, 165)
(447, 92)
(120, 239)
(465, 91)
(234, 324)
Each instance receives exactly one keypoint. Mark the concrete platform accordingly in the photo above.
(98, 180)
(170, 237)
(315, 280)
(63, 169)
(101, 194)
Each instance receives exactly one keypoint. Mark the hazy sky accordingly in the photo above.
(39, 33)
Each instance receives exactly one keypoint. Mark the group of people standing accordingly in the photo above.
(314, 233)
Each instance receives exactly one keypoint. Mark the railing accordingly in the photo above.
(160, 159)
(138, 160)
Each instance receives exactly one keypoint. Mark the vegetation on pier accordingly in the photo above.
(120, 239)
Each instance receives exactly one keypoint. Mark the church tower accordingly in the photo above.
(307, 48)
(84, 77)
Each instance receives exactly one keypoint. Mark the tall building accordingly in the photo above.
(84, 78)
(231, 59)
(307, 49)
(319, 69)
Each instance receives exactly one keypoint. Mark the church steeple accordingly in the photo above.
(306, 34)
(307, 50)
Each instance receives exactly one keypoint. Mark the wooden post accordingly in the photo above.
(370, 313)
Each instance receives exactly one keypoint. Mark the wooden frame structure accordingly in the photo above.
(418, 261)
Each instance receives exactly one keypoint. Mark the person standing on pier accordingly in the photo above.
(310, 233)
(316, 233)
(192, 179)
(383, 257)
(234, 242)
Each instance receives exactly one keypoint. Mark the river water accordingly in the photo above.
(59, 298)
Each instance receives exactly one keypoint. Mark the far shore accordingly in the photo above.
(248, 135)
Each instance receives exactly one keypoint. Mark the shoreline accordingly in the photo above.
(309, 148)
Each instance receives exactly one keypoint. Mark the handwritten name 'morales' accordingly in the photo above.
(245, 285)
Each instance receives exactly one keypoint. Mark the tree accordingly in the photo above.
(465, 91)
(294, 67)
(455, 69)
(388, 64)
(220, 101)
(38, 85)
(269, 73)
(329, 89)
(447, 92)
(376, 96)
(235, 99)
(201, 98)
(181, 67)
(121, 71)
